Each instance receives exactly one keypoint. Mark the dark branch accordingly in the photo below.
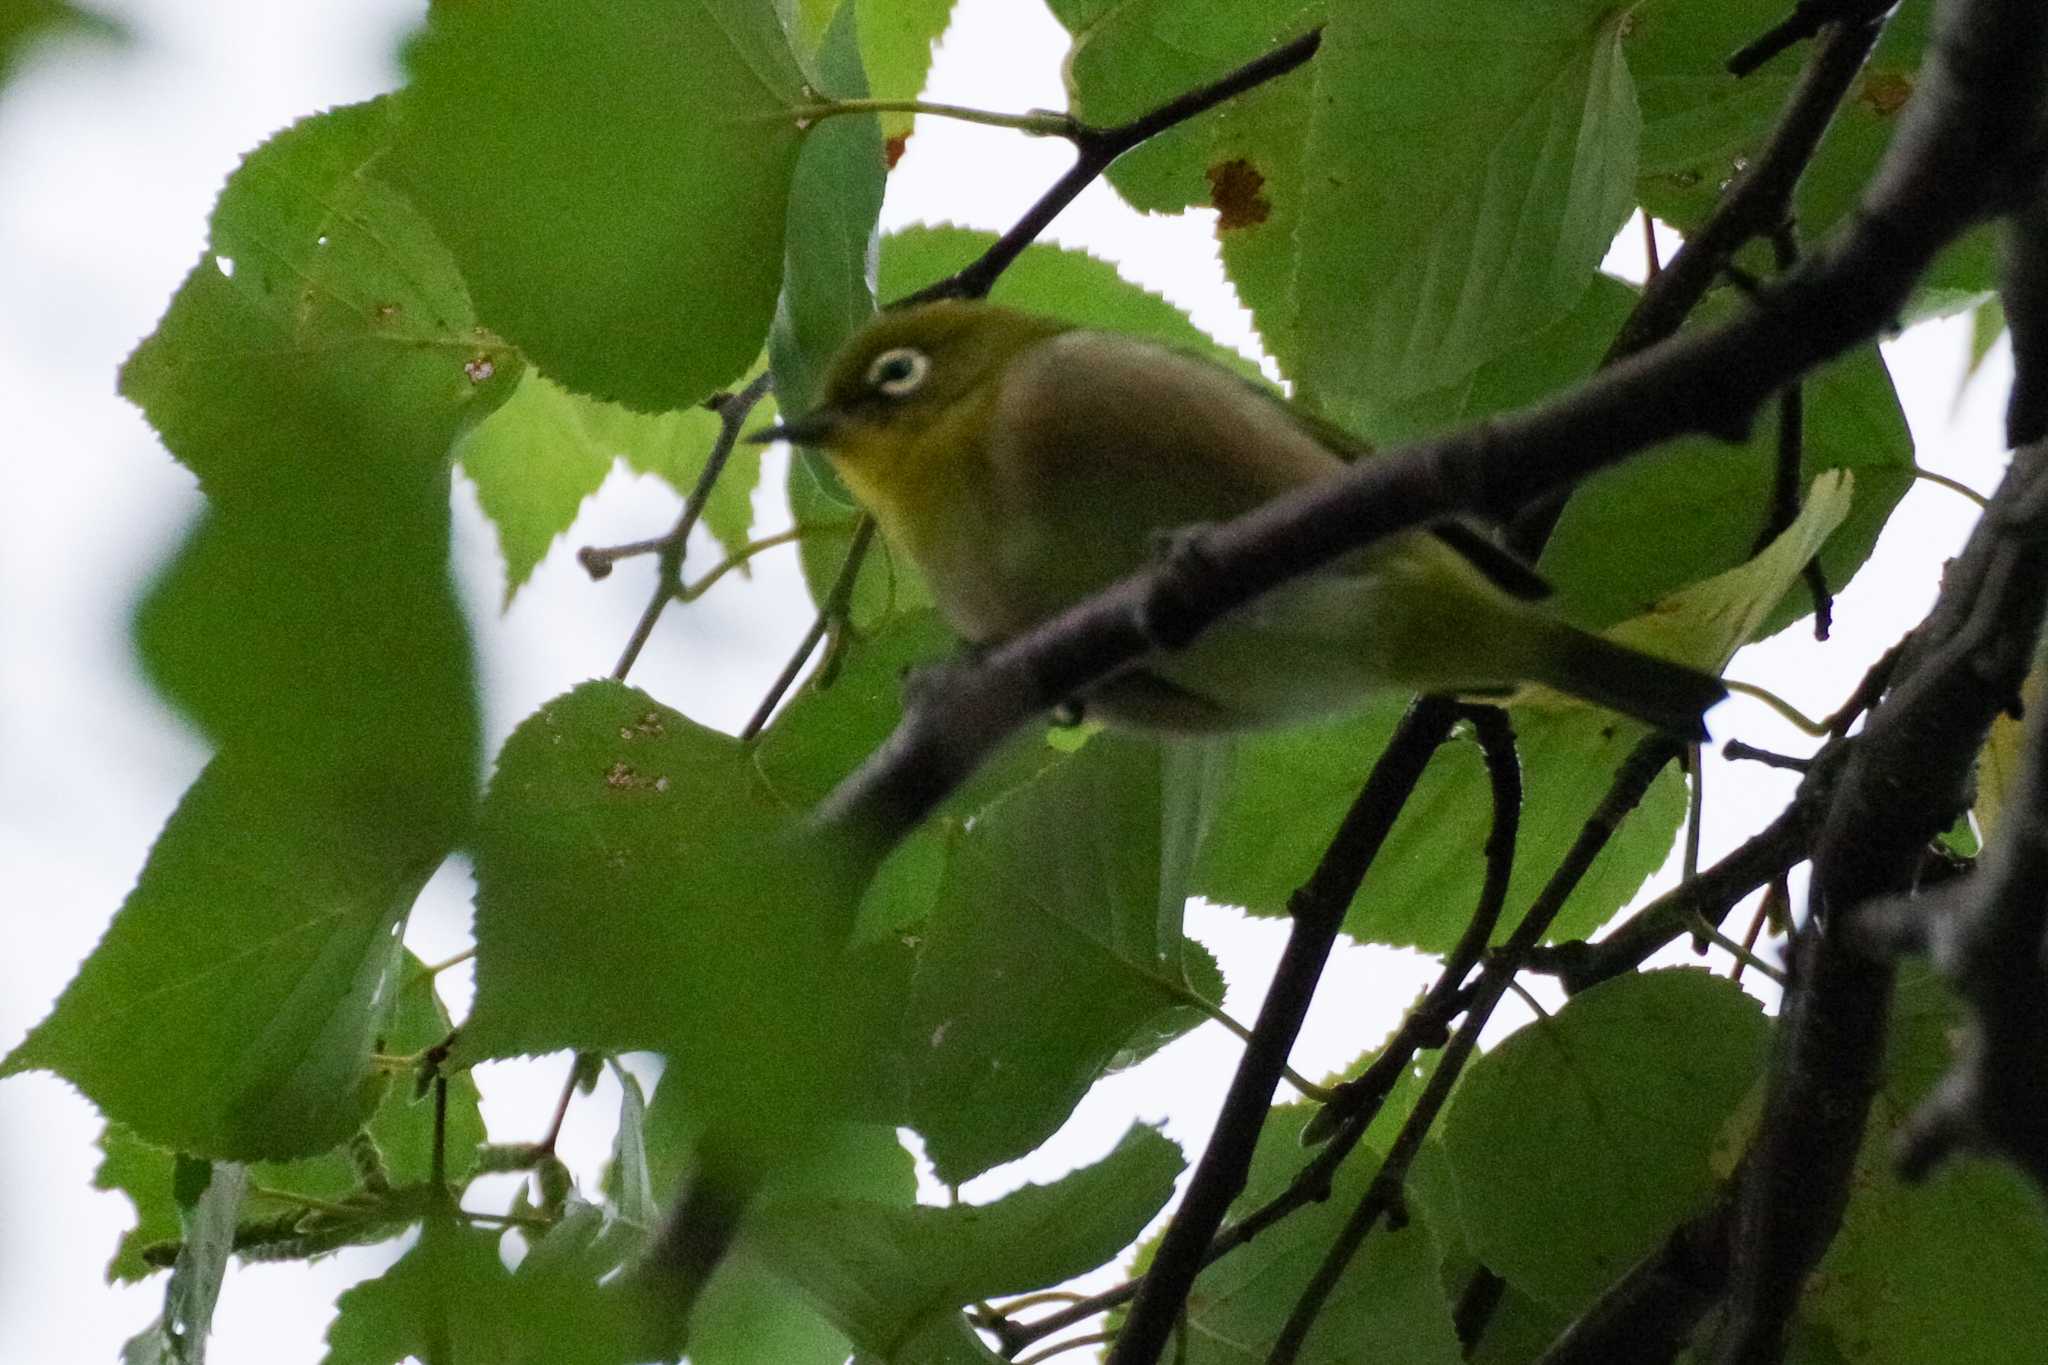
(1770, 853)
(831, 612)
(1989, 934)
(1633, 779)
(1318, 912)
(732, 410)
(1903, 782)
(1947, 168)
(1807, 18)
(1095, 148)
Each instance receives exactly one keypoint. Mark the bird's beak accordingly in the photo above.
(811, 429)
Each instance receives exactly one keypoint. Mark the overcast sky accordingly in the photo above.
(110, 158)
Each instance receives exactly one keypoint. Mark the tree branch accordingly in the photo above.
(732, 410)
(1906, 777)
(1095, 148)
(1631, 781)
(1318, 912)
(1989, 935)
(1949, 166)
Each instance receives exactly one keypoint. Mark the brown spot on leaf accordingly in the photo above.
(1234, 189)
(1886, 92)
(892, 150)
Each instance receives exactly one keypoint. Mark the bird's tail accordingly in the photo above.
(1667, 695)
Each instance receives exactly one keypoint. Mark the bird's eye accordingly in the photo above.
(898, 371)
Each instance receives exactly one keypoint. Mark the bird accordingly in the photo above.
(1024, 464)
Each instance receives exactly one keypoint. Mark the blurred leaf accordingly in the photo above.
(1056, 940)
(24, 24)
(1472, 163)
(312, 371)
(896, 38)
(209, 1198)
(1245, 157)
(613, 179)
(627, 1182)
(835, 199)
(1942, 1270)
(748, 1314)
(402, 1127)
(1289, 791)
(639, 887)
(1582, 1139)
(1389, 1306)
(886, 1274)
(539, 456)
(2004, 754)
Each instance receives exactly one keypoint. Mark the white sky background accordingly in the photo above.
(110, 159)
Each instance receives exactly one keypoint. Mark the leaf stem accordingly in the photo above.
(1953, 485)
(1037, 122)
(1799, 719)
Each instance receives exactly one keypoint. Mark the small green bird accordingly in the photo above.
(1025, 464)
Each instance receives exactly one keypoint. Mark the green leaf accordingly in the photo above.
(613, 179)
(1289, 791)
(449, 1298)
(1473, 162)
(896, 38)
(1693, 508)
(749, 1315)
(1581, 1140)
(827, 286)
(1946, 1269)
(539, 456)
(309, 626)
(1056, 940)
(25, 23)
(1705, 624)
(402, 1129)
(639, 887)
(208, 1197)
(627, 1183)
(888, 1275)
(1389, 1306)
(1245, 157)
(1058, 282)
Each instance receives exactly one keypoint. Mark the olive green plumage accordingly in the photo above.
(1024, 465)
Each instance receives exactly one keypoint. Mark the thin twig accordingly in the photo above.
(1096, 148)
(1631, 781)
(1317, 910)
(830, 612)
(732, 410)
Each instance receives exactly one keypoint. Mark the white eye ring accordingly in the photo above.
(898, 371)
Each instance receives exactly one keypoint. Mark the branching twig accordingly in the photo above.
(1631, 781)
(1355, 1103)
(1094, 149)
(732, 410)
(1948, 166)
(830, 613)
(1808, 17)
(1317, 910)
(1902, 784)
